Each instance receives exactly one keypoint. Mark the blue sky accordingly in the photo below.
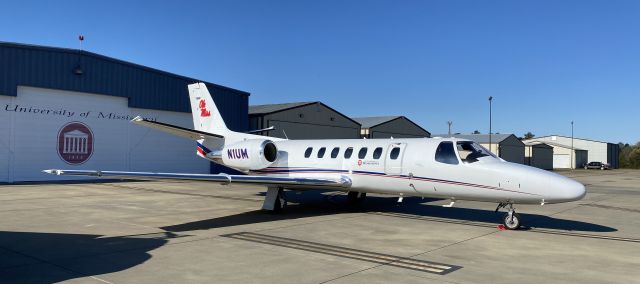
(546, 63)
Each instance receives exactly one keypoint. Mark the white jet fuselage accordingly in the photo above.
(414, 171)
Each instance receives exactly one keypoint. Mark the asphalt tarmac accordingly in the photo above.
(197, 232)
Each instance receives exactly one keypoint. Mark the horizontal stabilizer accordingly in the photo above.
(288, 182)
(175, 130)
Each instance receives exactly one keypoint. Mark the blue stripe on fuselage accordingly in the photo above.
(282, 170)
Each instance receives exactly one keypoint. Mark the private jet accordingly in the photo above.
(445, 168)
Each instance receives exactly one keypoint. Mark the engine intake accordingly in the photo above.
(250, 154)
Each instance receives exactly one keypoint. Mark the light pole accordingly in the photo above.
(449, 122)
(573, 164)
(490, 99)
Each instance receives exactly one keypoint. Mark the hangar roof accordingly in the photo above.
(534, 142)
(271, 108)
(82, 71)
(480, 138)
(371, 121)
(575, 138)
(258, 110)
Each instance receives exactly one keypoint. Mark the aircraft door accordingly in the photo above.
(393, 159)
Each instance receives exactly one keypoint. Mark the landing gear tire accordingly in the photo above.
(512, 221)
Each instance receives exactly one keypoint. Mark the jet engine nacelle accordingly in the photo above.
(252, 154)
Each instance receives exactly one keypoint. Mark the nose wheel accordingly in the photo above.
(512, 220)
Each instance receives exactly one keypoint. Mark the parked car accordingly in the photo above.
(596, 165)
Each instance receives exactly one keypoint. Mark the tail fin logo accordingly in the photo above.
(203, 109)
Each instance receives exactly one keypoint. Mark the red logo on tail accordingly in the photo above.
(203, 109)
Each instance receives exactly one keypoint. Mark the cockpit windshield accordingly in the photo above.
(470, 151)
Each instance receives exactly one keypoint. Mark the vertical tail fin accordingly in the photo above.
(206, 116)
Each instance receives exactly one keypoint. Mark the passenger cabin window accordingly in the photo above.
(377, 153)
(334, 152)
(470, 151)
(321, 152)
(362, 153)
(446, 154)
(348, 153)
(395, 152)
(307, 153)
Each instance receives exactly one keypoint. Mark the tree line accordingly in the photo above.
(629, 155)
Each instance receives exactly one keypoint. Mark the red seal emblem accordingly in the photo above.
(75, 143)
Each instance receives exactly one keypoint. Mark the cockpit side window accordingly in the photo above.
(470, 152)
(446, 154)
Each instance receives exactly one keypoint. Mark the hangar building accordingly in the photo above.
(562, 158)
(599, 151)
(69, 109)
(390, 126)
(302, 120)
(538, 155)
(505, 146)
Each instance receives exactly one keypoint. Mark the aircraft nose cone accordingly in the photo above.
(573, 190)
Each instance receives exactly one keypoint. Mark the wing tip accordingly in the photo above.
(52, 172)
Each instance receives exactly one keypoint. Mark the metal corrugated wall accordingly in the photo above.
(49, 67)
(148, 88)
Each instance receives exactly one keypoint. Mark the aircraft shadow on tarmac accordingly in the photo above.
(318, 203)
(29, 257)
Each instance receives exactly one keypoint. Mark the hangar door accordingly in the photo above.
(542, 158)
(561, 161)
(70, 130)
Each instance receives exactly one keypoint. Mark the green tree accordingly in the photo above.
(634, 157)
(529, 135)
(629, 156)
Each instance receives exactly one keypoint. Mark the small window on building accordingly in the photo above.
(321, 152)
(334, 152)
(348, 153)
(307, 153)
(377, 153)
(362, 153)
(446, 154)
(395, 152)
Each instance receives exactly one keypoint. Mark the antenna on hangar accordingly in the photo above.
(78, 69)
(81, 39)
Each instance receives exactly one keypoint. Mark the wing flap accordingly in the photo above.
(289, 182)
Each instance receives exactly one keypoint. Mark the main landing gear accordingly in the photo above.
(354, 197)
(275, 200)
(512, 220)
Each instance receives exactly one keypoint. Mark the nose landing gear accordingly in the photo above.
(512, 219)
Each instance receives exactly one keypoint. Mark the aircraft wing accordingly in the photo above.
(288, 182)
